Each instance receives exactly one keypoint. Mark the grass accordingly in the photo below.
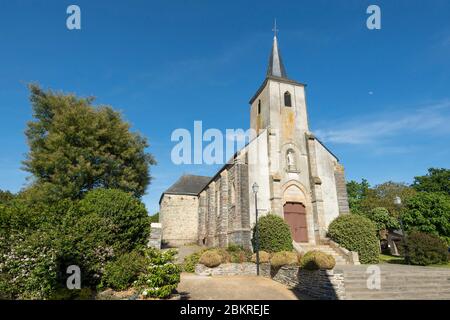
(384, 258)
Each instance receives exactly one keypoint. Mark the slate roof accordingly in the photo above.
(276, 66)
(188, 185)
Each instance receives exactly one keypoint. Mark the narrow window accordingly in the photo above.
(259, 106)
(287, 99)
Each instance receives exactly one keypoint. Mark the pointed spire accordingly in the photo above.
(276, 67)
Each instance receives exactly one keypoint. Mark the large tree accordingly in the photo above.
(76, 147)
(437, 180)
(428, 212)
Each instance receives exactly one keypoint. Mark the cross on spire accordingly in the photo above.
(275, 30)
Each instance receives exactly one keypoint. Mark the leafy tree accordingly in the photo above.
(357, 191)
(430, 213)
(383, 196)
(382, 219)
(437, 180)
(76, 147)
(154, 218)
(5, 196)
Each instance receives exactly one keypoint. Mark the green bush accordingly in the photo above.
(29, 268)
(425, 249)
(356, 233)
(237, 254)
(191, 261)
(274, 234)
(317, 260)
(128, 214)
(284, 258)
(121, 273)
(162, 275)
(383, 219)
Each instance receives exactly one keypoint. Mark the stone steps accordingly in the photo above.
(340, 260)
(397, 282)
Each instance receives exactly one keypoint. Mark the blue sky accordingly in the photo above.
(379, 99)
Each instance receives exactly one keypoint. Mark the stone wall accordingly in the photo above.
(316, 284)
(223, 211)
(179, 219)
(319, 284)
(233, 269)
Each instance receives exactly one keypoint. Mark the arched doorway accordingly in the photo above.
(295, 216)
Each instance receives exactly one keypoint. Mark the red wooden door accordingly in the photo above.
(295, 216)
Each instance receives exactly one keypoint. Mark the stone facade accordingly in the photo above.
(223, 212)
(179, 219)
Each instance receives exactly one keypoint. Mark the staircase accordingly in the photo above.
(397, 282)
(340, 260)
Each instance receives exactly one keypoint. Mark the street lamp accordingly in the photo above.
(398, 204)
(255, 189)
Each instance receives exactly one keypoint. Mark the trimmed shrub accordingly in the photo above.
(356, 233)
(284, 258)
(317, 260)
(274, 234)
(425, 249)
(121, 273)
(162, 275)
(264, 257)
(211, 258)
(126, 213)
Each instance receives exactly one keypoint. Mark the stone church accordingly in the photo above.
(299, 178)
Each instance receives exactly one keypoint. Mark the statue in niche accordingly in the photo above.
(290, 157)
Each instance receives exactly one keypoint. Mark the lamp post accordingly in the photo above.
(255, 189)
(398, 204)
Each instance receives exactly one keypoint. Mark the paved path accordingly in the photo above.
(195, 287)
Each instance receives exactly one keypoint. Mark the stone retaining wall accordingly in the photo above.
(233, 269)
(318, 284)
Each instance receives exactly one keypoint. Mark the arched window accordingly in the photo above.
(290, 160)
(259, 106)
(287, 99)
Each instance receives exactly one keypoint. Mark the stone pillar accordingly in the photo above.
(276, 206)
(341, 189)
(243, 191)
(211, 216)
(223, 210)
(202, 214)
(316, 190)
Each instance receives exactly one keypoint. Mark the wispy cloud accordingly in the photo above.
(431, 119)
